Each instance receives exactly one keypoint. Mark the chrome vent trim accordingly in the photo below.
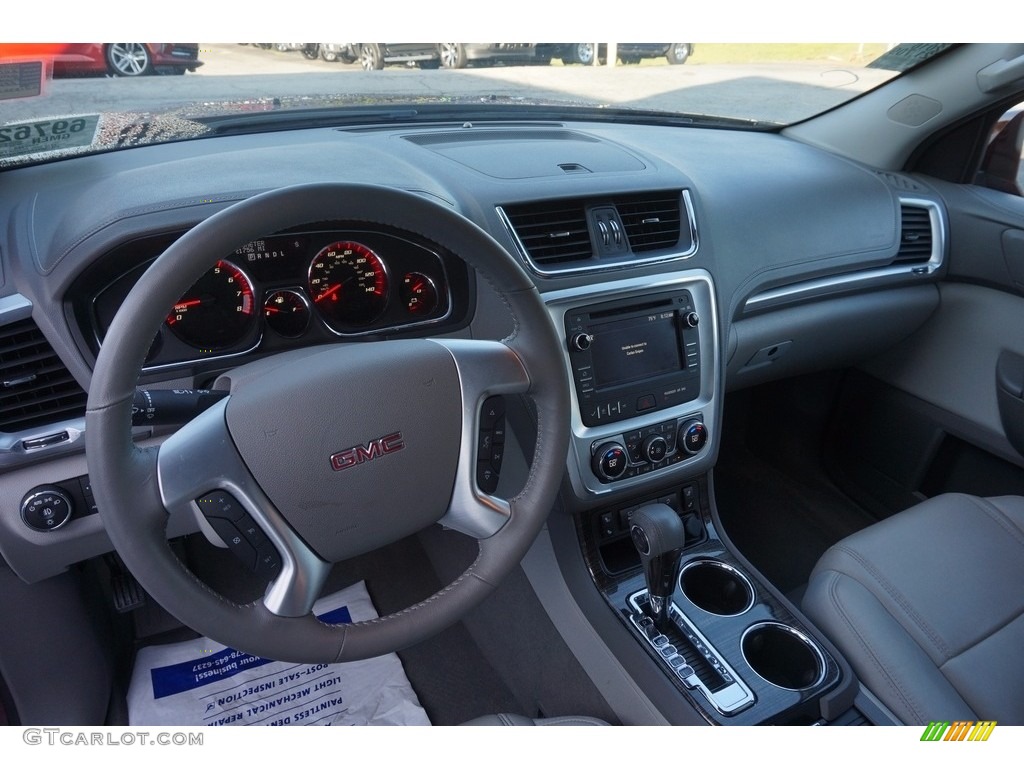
(36, 388)
(653, 221)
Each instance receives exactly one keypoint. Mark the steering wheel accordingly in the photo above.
(427, 391)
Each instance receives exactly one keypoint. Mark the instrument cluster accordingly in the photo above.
(295, 289)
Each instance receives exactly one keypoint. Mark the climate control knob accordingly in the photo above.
(654, 448)
(693, 436)
(610, 461)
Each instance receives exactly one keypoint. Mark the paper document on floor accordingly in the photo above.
(200, 682)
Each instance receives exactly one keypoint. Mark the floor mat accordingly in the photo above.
(200, 682)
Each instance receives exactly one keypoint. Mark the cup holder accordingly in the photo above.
(783, 656)
(716, 587)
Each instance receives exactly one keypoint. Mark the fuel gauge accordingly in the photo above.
(419, 294)
(287, 313)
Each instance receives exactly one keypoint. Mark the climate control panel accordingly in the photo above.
(654, 447)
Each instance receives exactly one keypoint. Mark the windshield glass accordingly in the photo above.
(60, 99)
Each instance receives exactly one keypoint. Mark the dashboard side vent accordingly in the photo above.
(916, 235)
(651, 221)
(553, 232)
(35, 387)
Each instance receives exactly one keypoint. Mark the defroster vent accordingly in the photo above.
(35, 387)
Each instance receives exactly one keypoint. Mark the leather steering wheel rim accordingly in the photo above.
(126, 479)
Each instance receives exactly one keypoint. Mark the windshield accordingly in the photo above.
(59, 99)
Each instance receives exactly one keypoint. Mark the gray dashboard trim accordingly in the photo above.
(14, 308)
(884, 277)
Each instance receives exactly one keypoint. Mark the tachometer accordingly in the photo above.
(218, 312)
(349, 284)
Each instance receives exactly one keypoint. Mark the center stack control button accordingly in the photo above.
(693, 436)
(655, 448)
(610, 461)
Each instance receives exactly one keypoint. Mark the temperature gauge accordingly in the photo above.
(419, 294)
(287, 313)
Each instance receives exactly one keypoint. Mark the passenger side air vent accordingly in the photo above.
(651, 221)
(585, 233)
(35, 387)
(916, 237)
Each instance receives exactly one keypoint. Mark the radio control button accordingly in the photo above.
(580, 342)
(692, 319)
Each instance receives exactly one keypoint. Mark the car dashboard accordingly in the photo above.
(677, 264)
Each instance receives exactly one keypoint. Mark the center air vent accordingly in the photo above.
(566, 235)
(916, 236)
(35, 387)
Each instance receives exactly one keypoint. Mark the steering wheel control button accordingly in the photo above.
(239, 532)
(610, 462)
(234, 540)
(490, 446)
(46, 508)
(221, 504)
(693, 436)
(268, 561)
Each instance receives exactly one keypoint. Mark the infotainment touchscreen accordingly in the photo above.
(635, 349)
(631, 356)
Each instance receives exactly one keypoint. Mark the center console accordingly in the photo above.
(644, 358)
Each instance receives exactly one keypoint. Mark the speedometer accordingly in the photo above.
(349, 284)
(217, 312)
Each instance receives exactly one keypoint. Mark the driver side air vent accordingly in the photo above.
(916, 237)
(583, 233)
(552, 232)
(35, 387)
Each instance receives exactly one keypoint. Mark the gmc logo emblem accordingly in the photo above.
(374, 449)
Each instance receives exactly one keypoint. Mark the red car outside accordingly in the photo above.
(120, 59)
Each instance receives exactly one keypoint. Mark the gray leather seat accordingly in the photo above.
(928, 608)
(505, 719)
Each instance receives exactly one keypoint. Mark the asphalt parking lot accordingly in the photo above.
(247, 74)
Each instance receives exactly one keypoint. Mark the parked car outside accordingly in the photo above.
(627, 53)
(459, 55)
(376, 55)
(117, 59)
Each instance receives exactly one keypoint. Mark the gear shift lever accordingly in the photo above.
(658, 536)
